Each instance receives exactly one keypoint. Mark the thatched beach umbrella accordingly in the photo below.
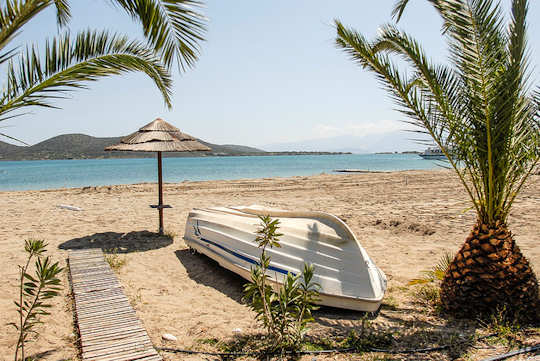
(159, 136)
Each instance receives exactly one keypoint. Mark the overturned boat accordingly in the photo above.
(348, 277)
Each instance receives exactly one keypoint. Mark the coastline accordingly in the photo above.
(140, 155)
(404, 219)
(53, 174)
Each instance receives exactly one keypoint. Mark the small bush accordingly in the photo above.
(436, 274)
(390, 303)
(114, 260)
(507, 329)
(428, 290)
(367, 340)
(34, 291)
(170, 234)
(285, 314)
(428, 295)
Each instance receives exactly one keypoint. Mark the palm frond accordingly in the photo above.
(63, 12)
(429, 78)
(398, 9)
(421, 97)
(437, 272)
(13, 138)
(173, 27)
(480, 106)
(69, 63)
(14, 14)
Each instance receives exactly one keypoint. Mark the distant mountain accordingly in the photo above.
(6, 148)
(80, 146)
(395, 141)
(231, 148)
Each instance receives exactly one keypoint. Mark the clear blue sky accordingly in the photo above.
(268, 73)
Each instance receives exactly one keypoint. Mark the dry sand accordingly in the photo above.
(405, 220)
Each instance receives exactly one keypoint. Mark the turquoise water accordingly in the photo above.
(50, 174)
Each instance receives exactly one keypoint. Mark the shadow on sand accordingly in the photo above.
(121, 242)
(399, 332)
(208, 272)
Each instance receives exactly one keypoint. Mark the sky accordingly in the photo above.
(269, 76)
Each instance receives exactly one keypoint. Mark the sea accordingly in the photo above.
(74, 173)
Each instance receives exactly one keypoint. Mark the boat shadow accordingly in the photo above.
(208, 272)
(137, 241)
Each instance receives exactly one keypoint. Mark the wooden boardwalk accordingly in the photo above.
(108, 326)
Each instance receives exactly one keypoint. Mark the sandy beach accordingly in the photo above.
(405, 221)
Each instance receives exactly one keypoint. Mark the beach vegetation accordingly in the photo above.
(36, 289)
(114, 260)
(390, 303)
(285, 314)
(426, 290)
(436, 274)
(482, 111)
(504, 331)
(39, 77)
(170, 234)
(367, 339)
(428, 296)
(212, 341)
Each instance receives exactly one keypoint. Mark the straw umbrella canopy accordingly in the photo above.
(159, 136)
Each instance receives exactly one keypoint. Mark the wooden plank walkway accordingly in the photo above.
(108, 326)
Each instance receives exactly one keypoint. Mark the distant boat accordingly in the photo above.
(432, 153)
(348, 277)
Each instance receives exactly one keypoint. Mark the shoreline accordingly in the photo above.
(192, 155)
(336, 172)
(405, 220)
(245, 174)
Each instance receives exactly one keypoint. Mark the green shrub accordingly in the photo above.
(285, 314)
(428, 290)
(436, 274)
(114, 260)
(34, 291)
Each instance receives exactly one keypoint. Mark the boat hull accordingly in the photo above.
(348, 277)
(433, 156)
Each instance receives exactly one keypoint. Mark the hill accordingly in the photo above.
(80, 146)
(6, 148)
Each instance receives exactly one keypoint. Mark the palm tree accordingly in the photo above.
(481, 112)
(172, 30)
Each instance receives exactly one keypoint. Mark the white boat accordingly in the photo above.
(348, 277)
(433, 153)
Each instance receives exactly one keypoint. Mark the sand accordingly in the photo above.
(405, 220)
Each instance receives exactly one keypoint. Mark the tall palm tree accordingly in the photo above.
(481, 112)
(172, 30)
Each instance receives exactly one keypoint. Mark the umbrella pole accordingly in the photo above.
(160, 186)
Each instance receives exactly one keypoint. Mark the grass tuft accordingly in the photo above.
(427, 295)
(114, 260)
(390, 303)
(170, 234)
(508, 330)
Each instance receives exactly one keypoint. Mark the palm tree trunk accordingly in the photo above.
(488, 274)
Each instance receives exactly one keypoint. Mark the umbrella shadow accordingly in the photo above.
(208, 272)
(119, 242)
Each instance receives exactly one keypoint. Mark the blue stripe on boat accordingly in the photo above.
(247, 259)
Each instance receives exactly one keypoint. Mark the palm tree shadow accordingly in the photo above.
(397, 333)
(119, 242)
(208, 272)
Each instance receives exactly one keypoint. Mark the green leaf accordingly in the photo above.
(479, 110)
(173, 27)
